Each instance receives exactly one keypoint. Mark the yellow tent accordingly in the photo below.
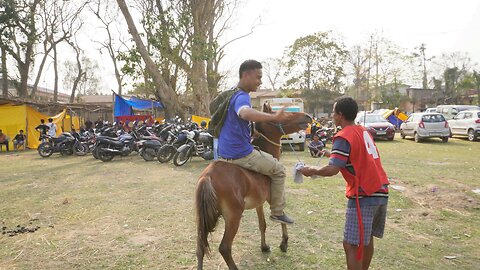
(13, 118)
(197, 119)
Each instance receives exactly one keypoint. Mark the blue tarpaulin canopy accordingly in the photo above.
(125, 106)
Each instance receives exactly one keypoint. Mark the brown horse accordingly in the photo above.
(226, 190)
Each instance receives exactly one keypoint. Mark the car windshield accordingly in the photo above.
(432, 118)
(373, 118)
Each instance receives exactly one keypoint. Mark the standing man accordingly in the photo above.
(42, 128)
(52, 128)
(356, 156)
(234, 142)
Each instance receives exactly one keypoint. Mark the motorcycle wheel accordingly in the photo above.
(165, 153)
(80, 149)
(95, 152)
(104, 155)
(182, 157)
(45, 149)
(68, 150)
(148, 154)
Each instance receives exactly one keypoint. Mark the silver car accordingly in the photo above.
(425, 125)
(466, 123)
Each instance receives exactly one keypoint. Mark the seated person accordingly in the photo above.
(315, 146)
(19, 140)
(3, 139)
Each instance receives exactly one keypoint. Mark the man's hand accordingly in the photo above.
(308, 171)
(325, 152)
(281, 115)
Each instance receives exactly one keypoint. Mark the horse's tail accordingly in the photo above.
(207, 213)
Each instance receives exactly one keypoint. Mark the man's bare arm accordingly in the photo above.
(328, 170)
(253, 115)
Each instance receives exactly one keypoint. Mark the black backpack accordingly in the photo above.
(218, 111)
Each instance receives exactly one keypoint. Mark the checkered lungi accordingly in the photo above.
(373, 218)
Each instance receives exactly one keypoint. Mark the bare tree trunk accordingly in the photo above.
(80, 73)
(23, 70)
(109, 46)
(167, 95)
(202, 12)
(4, 73)
(55, 69)
(39, 74)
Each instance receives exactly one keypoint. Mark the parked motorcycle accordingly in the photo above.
(149, 143)
(199, 143)
(65, 144)
(106, 147)
(168, 150)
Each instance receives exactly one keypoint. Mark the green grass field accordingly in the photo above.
(132, 214)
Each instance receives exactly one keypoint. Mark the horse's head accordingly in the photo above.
(294, 122)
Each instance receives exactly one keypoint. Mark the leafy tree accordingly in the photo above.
(316, 62)
(315, 65)
(19, 36)
(476, 76)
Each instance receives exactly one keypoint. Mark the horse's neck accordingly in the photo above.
(268, 147)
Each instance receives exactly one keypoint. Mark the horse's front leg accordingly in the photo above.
(284, 244)
(263, 227)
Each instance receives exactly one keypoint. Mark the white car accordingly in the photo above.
(466, 123)
(297, 138)
(425, 125)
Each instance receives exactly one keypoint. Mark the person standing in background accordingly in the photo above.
(52, 128)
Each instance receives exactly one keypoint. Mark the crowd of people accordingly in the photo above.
(20, 140)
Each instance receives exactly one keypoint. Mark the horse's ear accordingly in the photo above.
(267, 108)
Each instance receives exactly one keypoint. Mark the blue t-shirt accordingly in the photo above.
(234, 139)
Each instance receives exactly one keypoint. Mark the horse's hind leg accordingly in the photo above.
(284, 244)
(263, 227)
(232, 222)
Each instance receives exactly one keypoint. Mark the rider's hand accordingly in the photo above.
(281, 115)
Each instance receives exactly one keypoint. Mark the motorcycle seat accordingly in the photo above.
(114, 141)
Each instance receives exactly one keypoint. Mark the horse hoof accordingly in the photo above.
(266, 249)
(283, 247)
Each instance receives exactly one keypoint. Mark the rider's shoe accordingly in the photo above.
(282, 219)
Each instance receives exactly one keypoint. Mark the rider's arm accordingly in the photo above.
(242, 107)
(253, 115)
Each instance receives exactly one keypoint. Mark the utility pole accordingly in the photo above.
(368, 73)
(424, 62)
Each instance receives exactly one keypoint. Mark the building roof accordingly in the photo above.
(265, 93)
(96, 99)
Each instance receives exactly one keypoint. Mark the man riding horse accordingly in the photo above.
(235, 138)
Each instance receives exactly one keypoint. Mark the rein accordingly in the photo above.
(279, 126)
(268, 140)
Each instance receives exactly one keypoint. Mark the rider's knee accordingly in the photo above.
(279, 172)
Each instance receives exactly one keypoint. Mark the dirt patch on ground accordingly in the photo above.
(141, 239)
(450, 195)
